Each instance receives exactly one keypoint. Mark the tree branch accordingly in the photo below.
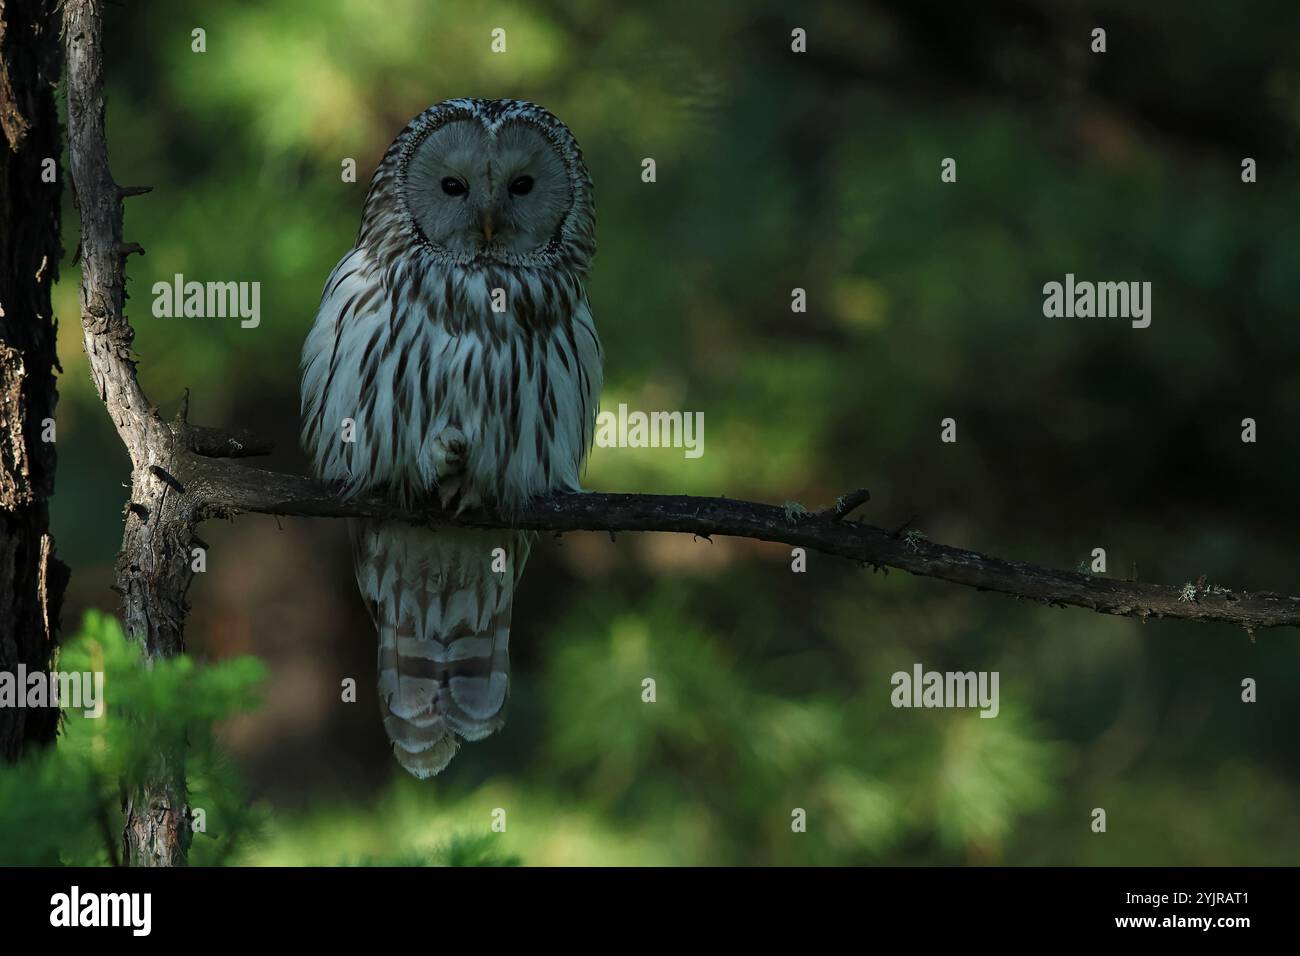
(153, 569)
(220, 488)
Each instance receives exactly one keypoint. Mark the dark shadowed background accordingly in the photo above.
(775, 170)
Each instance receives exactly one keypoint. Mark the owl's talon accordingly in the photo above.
(448, 489)
(468, 502)
(453, 489)
(449, 449)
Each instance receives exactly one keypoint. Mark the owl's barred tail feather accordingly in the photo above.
(440, 600)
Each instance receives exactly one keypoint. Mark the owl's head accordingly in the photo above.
(488, 181)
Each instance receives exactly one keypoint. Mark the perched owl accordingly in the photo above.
(454, 352)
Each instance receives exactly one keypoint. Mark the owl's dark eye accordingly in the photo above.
(521, 185)
(453, 186)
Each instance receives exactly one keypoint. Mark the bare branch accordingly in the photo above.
(153, 570)
(224, 488)
(106, 333)
(845, 505)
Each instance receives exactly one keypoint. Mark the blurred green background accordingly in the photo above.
(775, 170)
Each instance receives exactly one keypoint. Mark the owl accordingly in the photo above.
(454, 353)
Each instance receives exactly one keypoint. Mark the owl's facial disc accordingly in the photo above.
(475, 193)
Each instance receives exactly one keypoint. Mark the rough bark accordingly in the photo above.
(153, 570)
(32, 579)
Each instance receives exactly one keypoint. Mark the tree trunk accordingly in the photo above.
(32, 579)
(153, 568)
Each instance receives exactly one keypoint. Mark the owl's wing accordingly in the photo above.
(330, 366)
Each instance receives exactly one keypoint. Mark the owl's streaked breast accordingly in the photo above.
(407, 350)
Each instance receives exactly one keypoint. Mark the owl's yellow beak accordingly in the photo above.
(487, 226)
